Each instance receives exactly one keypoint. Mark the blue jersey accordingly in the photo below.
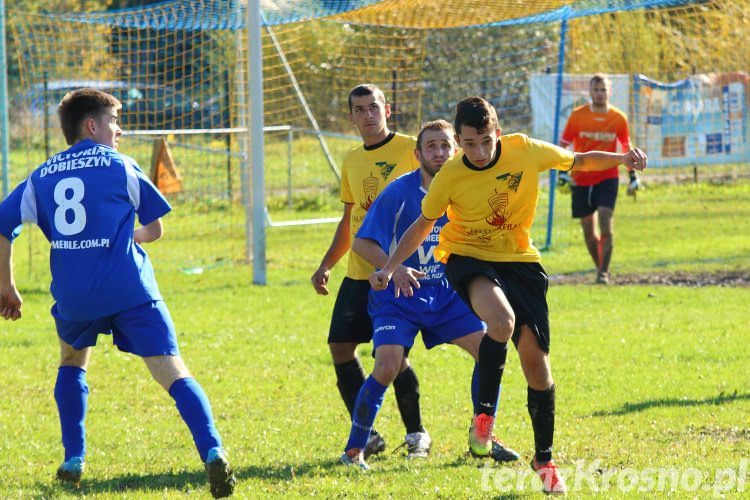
(85, 200)
(391, 214)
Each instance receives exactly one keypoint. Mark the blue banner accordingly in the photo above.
(697, 121)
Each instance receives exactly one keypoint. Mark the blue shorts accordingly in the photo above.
(145, 330)
(435, 310)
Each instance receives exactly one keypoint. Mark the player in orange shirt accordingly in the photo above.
(597, 126)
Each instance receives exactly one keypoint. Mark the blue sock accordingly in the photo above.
(475, 390)
(499, 392)
(71, 396)
(369, 401)
(195, 410)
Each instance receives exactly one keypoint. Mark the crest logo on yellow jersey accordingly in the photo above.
(370, 186)
(498, 203)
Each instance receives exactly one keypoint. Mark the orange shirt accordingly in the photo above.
(589, 131)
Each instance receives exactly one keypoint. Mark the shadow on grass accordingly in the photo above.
(289, 472)
(328, 466)
(657, 403)
(178, 481)
(188, 482)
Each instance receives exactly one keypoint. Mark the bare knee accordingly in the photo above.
(385, 373)
(588, 226)
(492, 306)
(69, 356)
(538, 373)
(388, 363)
(470, 343)
(500, 329)
(342, 352)
(166, 370)
(534, 361)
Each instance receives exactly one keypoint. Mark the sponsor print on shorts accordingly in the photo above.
(385, 329)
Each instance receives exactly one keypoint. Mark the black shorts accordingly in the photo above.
(523, 283)
(586, 199)
(350, 321)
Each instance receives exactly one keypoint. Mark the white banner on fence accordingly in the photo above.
(575, 92)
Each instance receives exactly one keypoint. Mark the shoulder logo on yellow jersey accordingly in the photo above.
(513, 180)
(385, 168)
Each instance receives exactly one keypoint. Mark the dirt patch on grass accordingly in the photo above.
(715, 433)
(740, 278)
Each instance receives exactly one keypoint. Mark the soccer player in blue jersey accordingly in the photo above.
(85, 200)
(432, 307)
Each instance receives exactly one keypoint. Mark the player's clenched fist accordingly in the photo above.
(10, 304)
(636, 159)
(379, 280)
(320, 280)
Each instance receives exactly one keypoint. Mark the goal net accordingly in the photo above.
(180, 69)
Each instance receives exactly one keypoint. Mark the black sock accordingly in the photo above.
(542, 412)
(349, 378)
(406, 388)
(491, 364)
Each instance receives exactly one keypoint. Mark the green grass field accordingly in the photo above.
(653, 381)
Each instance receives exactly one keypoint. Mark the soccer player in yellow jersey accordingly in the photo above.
(366, 170)
(597, 126)
(490, 194)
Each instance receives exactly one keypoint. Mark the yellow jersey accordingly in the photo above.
(366, 170)
(491, 209)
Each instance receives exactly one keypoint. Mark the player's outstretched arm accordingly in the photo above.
(410, 241)
(339, 246)
(150, 232)
(404, 277)
(600, 160)
(10, 299)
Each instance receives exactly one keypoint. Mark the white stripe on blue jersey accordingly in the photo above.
(134, 185)
(28, 203)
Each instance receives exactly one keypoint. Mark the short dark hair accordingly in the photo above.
(433, 125)
(600, 78)
(366, 89)
(80, 105)
(475, 112)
